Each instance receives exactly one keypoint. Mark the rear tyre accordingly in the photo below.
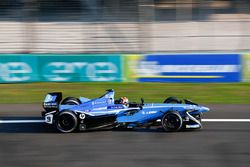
(66, 121)
(172, 100)
(172, 122)
(71, 101)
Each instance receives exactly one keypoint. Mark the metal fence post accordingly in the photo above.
(146, 18)
(29, 9)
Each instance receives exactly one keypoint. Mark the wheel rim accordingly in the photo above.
(66, 123)
(172, 122)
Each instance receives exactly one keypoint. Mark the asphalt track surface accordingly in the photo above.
(217, 144)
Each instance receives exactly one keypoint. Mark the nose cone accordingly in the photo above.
(204, 109)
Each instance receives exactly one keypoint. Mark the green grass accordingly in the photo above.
(212, 93)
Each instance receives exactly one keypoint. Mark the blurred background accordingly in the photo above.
(124, 26)
(116, 44)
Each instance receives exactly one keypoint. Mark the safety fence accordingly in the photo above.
(124, 26)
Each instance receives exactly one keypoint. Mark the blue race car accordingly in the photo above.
(87, 114)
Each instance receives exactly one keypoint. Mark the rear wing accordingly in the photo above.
(52, 101)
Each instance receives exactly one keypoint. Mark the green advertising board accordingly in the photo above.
(60, 68)
(246, 67)
(130, 65)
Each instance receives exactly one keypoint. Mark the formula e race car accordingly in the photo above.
(87, 114)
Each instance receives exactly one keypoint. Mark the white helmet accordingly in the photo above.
(123, 100)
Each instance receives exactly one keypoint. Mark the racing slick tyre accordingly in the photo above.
(172, 100)
(71, 101)
(172, 122)
(66, 121)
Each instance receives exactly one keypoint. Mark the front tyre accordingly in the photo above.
(172, 122)
(66, 121)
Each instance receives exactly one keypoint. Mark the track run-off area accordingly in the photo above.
(224, 140)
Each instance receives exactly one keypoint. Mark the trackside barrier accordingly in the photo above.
(183, 68)
(124, 68)
(246, 67)
(60, 68)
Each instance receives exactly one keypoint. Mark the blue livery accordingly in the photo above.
(86, 114)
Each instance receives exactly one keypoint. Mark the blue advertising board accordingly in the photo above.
(188, 68)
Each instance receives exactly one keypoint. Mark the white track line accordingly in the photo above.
(20, 121)
(43, 121)
(225, 120)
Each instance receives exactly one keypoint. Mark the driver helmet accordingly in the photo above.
(124, 101)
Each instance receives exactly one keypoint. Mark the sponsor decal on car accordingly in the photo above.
(149, 112)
